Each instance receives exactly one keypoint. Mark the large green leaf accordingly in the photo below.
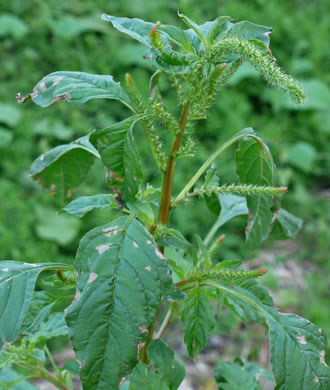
(297, 346)
(75, 87)
(255, 165)
(122, 278)
(62, 169)
(248, 30)
(119, 155)
(286, 225)
(17, 283)
(85, 204)
(198, 319)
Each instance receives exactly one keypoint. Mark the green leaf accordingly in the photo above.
(255, 165)
(62, 169)
(231, 264)
(286, 226)
(302, 155)
(174, 239)
(297, 349)
(10, 379)
(122, 278)
(231, 376)
(69, 27)
(172, 61)
(177, 35)
(17, 283)
(143, 211)
(75, 87)
(162, 358)
(55, 326)
(10, 115)
(297, 346)
(119, 155)
(218, 28)
(198, 320)
(11, 24)
(143, 378)
(83, 205)
(135, 28)
(231, 206)
(190, 23)
(248, 30)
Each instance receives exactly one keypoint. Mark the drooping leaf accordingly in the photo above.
(83, 205)
(119, 155)
(144, 378)
(231, 376)
(248, 30)
(135, 28)
(286, 225)
(254, 165)
(122, 278)
(62, 169)
(198, 320)
(162, 358)
(297, 346)
(17, 283)
(75, 87)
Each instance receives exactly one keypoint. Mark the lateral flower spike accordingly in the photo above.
(129, 80)
(241, 189)
(155, 38)
(230, 276)
(263, 63)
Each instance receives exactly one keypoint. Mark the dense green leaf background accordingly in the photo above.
(39, 37)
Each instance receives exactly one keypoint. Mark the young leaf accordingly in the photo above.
(172, 61)
(143, 211)
(17, 283)
(162, 358)
(231, 376)
(178, 36)
(75, 87)
(62, 169)
(122, 278)
(174, 239)
(255, 165)
(231, 206)
(55, 326)
(119, 155)
(218, 28)
(143, 378)
(248, 30)
(198, 320)
(190, 23)
(83, 205)
(285, 226)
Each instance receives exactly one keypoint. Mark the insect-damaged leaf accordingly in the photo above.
(62, 169)
(254, 165)
(198, 319)
(17, 282)
(119, 155)
(75, 87)
(297, 346)
(122, 278)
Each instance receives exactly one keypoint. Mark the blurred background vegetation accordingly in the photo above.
(38, 37)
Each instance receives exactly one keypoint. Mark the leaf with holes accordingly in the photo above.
(17, 283)
(122, 278)
(61, 170)
(254, 165)
(197, 320)
(119, 155)
(75, 87)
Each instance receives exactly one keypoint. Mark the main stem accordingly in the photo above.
(165, 203)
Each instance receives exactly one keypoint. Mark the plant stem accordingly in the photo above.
(165, 203)
(166, 322)
(51, 359)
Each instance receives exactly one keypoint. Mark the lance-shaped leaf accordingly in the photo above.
(286, 225)
(119, 155)
(122, 278)
(85, 204)
(17, 283)
(62, 169)
(75, 87)
(198, 320)
(255, 165)
(297, 346)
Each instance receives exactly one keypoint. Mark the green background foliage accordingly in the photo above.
(39, 37)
